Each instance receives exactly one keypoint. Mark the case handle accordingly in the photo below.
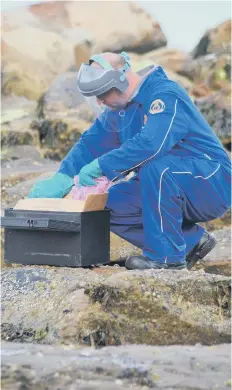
(40, 224)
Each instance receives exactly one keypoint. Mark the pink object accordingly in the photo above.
(80, 193)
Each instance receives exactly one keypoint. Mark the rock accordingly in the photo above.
(176, 61)
(16, 118)
(18, 175)
(126, 25)
(128, 367)
(58, 136)
(121, 249)
(12, 20)
(217, 39)
(24, 166)
(15, 107)
(214, 70)
(217, 111)
(82, 53)
(29, 72)
(181, 80)
(218, 261)
(19, 153)
(23, 188)
(60, 305)
(140, 62)
(61, 96)
(13, 134)
(219, 223)
(63, 115)
(17, 115)
(82, 49)
(199, 90)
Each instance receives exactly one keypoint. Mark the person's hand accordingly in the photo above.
(56, 186)
(88, 173)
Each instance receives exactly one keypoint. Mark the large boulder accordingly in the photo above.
(216, 109)
(61, 96)
(175, 60)
(217, 39)
(115, 26)
(139, 62)
(112, 306)
(183, 81)
(18, 132)
(58, 136)
(15, 107)
(63, 115)
(213, 70)
(28, 70)
(138, 367)
(17, 113)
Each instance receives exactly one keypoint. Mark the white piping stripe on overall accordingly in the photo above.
(160, 184)
(160, 188)
(138, 165)
(196, 177)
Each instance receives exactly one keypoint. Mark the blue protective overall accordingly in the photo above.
(182, 172)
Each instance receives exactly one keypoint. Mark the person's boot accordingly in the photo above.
(201, 249)
(142, 262)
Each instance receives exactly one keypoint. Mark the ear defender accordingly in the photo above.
(126, 66)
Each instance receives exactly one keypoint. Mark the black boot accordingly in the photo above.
(201, 249)
(142, 262)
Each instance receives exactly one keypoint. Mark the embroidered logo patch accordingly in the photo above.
(157, 106)
(145, 119)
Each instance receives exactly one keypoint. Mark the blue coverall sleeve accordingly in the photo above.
(93, 143)
(166, 125)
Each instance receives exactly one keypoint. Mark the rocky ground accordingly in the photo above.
(140, 367)
(113, 306)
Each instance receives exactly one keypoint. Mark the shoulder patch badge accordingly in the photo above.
(157, 106)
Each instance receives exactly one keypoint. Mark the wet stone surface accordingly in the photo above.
(140, 367)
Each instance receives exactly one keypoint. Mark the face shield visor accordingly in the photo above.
(95, 82)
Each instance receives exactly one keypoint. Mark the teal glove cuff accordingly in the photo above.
(96, 168)
(88, 173)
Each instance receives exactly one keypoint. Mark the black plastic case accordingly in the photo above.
(65, 239)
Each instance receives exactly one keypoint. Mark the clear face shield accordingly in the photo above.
(119, 120)
(113, 120)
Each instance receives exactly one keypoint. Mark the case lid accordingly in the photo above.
(93, 202)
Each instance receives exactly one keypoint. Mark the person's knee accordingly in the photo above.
(122, 202)
(113, 200)
(116, 199)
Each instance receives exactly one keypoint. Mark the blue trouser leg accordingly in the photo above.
(160, 212)
(126, 218)
(125, 203)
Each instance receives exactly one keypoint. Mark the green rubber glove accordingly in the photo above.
(55, 187)
(88, 173)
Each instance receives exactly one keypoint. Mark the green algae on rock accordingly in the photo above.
(90, 308)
